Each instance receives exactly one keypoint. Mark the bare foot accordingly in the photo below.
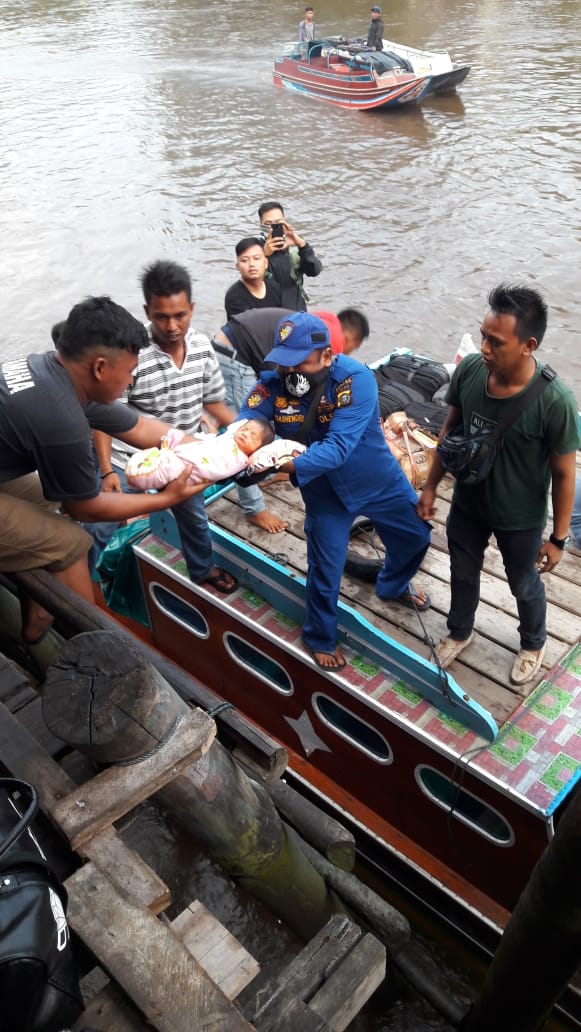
(266, 520)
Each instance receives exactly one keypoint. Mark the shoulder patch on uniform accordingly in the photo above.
(344, 393)
(257, 396)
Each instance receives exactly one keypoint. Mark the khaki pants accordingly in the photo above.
(32, 533)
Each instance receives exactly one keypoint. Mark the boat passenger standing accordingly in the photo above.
(375, 30)
(538, 451)
(307, 28)
(330, 403)
(252, 290)
(290, 257)
(176, 377)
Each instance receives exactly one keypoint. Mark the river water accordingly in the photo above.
(133, 130)
(136, 129)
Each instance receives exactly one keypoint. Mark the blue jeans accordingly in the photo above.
(576, 517)
(192, 520)
(239, 380)
(467, 541)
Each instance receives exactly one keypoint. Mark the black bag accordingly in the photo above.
(39, 988)
(395, 397)
(429, 415)
(471, 458)
(424, 375)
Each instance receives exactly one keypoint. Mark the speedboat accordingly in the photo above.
(356, 80)
(444, 75)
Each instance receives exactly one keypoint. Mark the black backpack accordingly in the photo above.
(395, 397)
(422, 374)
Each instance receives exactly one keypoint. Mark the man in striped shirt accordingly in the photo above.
(178, 375)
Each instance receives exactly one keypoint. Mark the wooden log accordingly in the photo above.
(326, 834)
(146, 957)
(220, 954)
(256, 747)
(392, 926)
(212, 799)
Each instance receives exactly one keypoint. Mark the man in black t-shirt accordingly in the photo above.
(49, 403)
(252, 290)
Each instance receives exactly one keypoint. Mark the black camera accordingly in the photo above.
(277, 229)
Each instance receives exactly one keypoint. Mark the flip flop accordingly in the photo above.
(340, 664)
(222, 581)
(411, 599)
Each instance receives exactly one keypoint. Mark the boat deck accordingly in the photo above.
(483, 669)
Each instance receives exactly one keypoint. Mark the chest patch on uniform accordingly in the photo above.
(344, 393)
(259, 393)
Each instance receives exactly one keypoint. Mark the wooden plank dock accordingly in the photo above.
(190, 973)
(483, 669)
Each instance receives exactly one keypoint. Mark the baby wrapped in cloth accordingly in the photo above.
(245, 444)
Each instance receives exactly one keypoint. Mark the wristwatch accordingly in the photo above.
(559, 542)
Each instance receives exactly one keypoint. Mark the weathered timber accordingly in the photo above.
(392, 926)
(147, 958)
(94, 806)
(269, 1005)
(213, 800)
(326, 834)
(349, 987)
(261, 752)
(220, 954)
(25, 758)
(112, 1011)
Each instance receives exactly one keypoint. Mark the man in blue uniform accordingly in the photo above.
(347, 470)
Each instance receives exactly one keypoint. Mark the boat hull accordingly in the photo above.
(341, 86)
(373, 750)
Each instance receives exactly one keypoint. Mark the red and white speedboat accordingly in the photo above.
(357, 80)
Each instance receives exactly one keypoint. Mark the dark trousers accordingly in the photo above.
(467, 541)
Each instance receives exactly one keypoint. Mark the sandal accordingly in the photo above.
(222, 581)
(340, 663)
(412, 600)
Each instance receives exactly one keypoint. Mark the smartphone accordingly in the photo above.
(277, 229)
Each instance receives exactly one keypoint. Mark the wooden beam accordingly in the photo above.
(220, 954)
(24, 758)
(146, 957)
(349, 987)
(94, 806)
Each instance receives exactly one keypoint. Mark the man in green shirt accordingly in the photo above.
(538, 452)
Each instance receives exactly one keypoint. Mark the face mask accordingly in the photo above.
(299, 384)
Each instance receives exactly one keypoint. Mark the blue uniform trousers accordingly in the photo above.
(405, 536)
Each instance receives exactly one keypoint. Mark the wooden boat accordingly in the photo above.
(453, 783)
(358, 81)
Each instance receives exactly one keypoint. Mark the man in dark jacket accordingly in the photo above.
(375, 30)
(290, 257)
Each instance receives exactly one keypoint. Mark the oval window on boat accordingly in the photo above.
(358, 732)
(261, 665)
(182, 612)
(464, 806)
